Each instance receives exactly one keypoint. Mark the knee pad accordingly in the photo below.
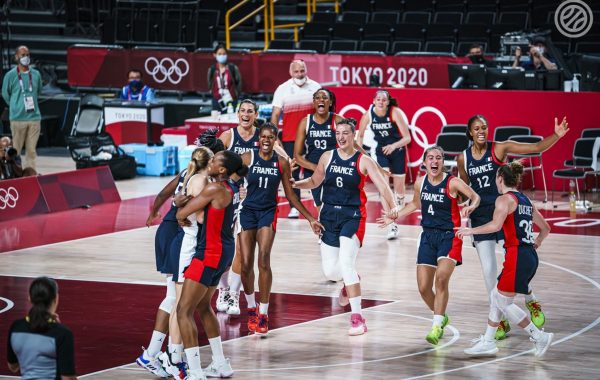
(330, 262)
(170, 300)
(500, 301)
(348, 252)
(514, 313)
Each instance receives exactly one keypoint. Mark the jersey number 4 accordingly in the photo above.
(430, 210)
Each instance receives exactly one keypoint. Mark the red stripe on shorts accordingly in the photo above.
(506, 283)
(194, 270)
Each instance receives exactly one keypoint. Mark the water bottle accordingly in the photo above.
(572, 197)
(229, 108)
(576, 82)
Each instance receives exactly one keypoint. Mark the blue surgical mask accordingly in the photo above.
(222, 59)
(135, 85)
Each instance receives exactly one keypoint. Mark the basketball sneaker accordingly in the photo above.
(542, 343)
(435, 334)
(358, 325)
(196, 375)
(293, 213)
(482, 347)
(343, 299)
(537, 315)
(252, 319)
(503, 329)
(445, 323)
(392, 231)
(223, 300)
(219, 369)
(233, 304)
(262, 327)
(178, 371)
(152, 364)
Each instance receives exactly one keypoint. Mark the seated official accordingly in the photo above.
(539, 59)
(136, 89)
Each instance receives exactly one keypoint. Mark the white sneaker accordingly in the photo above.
(219, 369)
(482, 347)
(223, 300)
(293, 213)
(392, 231)
(152, 364)
(233, 304)
(542, 343)
(196, 375)
(358, 325)
(178, 371)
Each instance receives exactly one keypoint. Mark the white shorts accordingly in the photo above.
(188, 249)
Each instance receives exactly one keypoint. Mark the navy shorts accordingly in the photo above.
(436, 244)
(480, 216)
(207, 267)
(167, 239)
(520, 265)
(339, 221)
(317, 191)
(396, 161)
(256, 219)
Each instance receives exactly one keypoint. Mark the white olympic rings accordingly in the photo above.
(8, 198)
(166, 68)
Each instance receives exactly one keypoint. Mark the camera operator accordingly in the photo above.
(538, 54)
(10, 162)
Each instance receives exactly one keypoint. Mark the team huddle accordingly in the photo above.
(224, 206)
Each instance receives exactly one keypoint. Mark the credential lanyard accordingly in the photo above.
(21, 80)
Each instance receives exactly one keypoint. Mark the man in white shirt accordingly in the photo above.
(295, 97)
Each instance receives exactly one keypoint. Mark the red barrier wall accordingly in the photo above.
(428, 109)
(171, 70)
(28, 196)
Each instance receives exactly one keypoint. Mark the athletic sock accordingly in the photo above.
(156, 343)
(490, 333)
(438, 320)
(235, 282)
(193, 357)
(217, 349)
(176, 353)
(251, 299)
(533, 331)
(355, 305)
(263, 308)
(530, 297)
(224, 281)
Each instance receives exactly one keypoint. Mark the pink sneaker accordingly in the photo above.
(357, 325)
(343, 299)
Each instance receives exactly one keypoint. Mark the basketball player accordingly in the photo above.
(440, 251)
(343, 172)
(213, 256)
(391, 134)
(477, 166)
(515, 215)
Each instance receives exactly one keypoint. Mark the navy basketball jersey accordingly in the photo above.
(385, 130)
(239, 145)
(518, 226)
(319, 137)
(173, 210)
(344, 183)
(438, 208)
(217, 232)
(263, 182)
(482, 174)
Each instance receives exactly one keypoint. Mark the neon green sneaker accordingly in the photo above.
(503, 329)
(445, 323)
(435, 334)
(537, 315)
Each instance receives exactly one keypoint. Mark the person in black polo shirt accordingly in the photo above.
(39, 345)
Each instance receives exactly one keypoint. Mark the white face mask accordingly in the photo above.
(541, 50)
(300, 82)
(24, 60)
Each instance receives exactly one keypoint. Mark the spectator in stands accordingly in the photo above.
(20, 89)
(10, 161)
(539, 59)
(476, 55)
(225, 84)
(136, 89)
(295, 97)
(39, 345)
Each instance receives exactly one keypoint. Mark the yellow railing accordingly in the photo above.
(269, 19)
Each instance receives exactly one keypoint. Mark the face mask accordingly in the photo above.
(135, 85)
(222, 58)
(24, 60)
(300, 82)
(477, 58)
(541, 50)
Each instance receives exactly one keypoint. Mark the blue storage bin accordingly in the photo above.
(184, 156)
(153, 160)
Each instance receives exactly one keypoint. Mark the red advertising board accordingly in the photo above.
(21, 197)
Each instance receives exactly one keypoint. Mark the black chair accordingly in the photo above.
(282, 45)
(360, 18)
(417, 5)
(319, 46)
(389, 18)
(464, 46)
(503, 133)
(481, 18)
(453, 145)
(472, 32)
(530, 165)
(515, 5)
(324, 17)
(388, 5)
(582, 157)
(338, 45)
(347, 31)
(410, 32)
(90, 116)
(483, 5)
(452, 18)
(382, 46)
(377, 31)
(450, 5)
(441, 32)
(439, 46)
(590, 132)
(315, 30)
(583, 152)
(455, 128)
(358, 5)
(517, 18)
(416, 18)
(405, 46)
(587, 48)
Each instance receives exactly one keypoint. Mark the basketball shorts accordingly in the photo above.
(436, 244)
(339, 221)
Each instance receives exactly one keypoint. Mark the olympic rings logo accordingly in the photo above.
(166, 68)
(418, 136)
(8, 198)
